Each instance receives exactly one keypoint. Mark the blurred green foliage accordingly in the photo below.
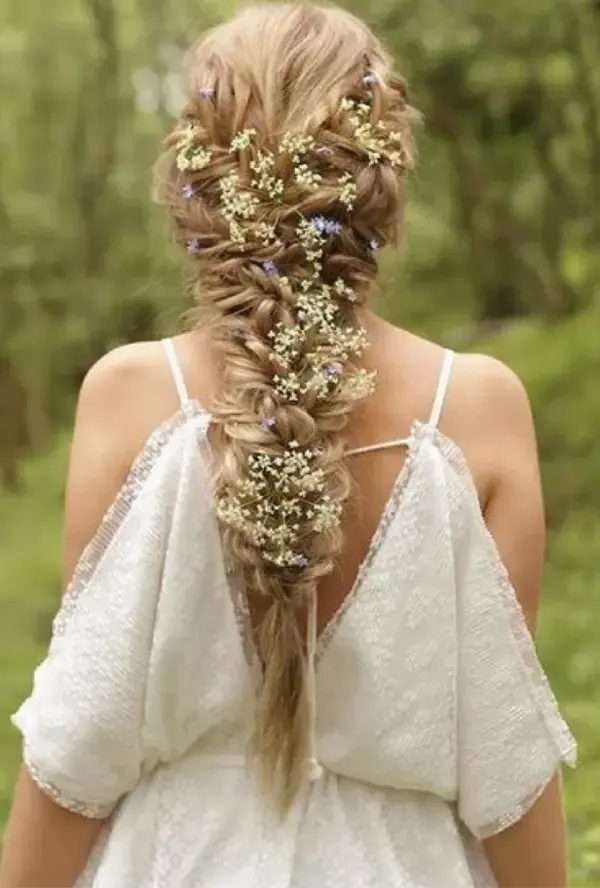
(501, 255)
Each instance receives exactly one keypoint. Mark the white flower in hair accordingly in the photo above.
(296, 145)
(264, 180)
(191, 154)
(374, 139)
(242, 140)
(348, 191)
(306, 177)
(235, 205)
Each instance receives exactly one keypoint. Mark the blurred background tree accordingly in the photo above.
(501, 254)
(506, 203)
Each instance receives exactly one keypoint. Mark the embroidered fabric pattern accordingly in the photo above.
(85, 809)
(418, 432)
(112, 520)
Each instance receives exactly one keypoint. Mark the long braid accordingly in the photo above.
(283, 211)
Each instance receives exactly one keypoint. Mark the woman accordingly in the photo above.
(217, 707)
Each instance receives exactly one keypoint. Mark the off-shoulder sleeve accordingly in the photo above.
(511, 736)
(82, 724)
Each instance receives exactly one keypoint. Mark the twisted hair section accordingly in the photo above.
(283, 178)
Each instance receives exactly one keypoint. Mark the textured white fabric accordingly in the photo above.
(435, 725)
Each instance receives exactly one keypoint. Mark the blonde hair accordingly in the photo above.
(277, 69)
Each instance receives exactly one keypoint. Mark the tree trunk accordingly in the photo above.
(575, 20)
(95, 138)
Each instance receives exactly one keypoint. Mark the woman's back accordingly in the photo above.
(430, 635)
(484, 411)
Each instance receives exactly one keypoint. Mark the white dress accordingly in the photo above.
(435, 726)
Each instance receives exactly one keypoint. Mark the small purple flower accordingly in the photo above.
(194, 245)
(326, 226)
(300, 560)
(371, 78)
(207, 92)
(268, 423)
(331, 371)
(270, 268)
(188, 192)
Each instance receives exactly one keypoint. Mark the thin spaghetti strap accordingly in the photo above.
(438, 404)
(442, 388)
(176, 371)
(383, 445)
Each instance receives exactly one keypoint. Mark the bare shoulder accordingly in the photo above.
(489, 415)
(125, 371)
(129, 389)
(125, 395)
(492, 393)
(503, 447)
(488, 373)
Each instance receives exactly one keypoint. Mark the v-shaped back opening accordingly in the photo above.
(323, 634)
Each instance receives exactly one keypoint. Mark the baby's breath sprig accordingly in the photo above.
(297, 145)
(270, 505)
(348, 192)
(375, 139)
(235, 205)
(264, 180)
(312, 353)
(306, 177)
(191, 154)
(242, 140)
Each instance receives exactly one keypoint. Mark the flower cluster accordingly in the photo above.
(281, 491)
(348, 191)
(191, 154)
(283, 495)
(375, 139)
(264, 180)
(240, 204)
(237, 204)
(311, 355)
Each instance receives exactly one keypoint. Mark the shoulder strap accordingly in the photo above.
(382, 445)
(442, 388)
(176, 371)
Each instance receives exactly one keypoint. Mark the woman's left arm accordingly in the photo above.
(46, 844)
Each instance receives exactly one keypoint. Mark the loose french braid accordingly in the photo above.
(283, 178)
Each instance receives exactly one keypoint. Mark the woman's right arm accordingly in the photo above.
(532, 852)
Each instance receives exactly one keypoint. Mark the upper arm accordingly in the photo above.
(514, 512)
(102, 450)
(44, 843)
(531, 852)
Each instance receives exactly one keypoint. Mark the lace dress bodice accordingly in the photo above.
(435, 726)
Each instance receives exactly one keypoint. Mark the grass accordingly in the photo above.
(561, 367)
(29, 591)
